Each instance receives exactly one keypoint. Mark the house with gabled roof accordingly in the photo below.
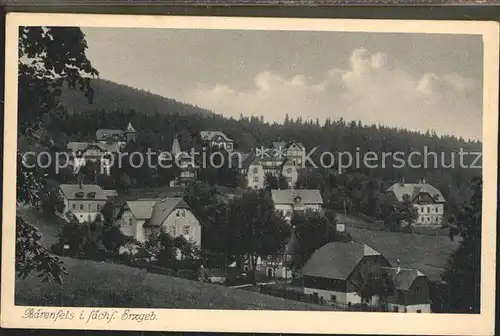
(217, 139)
(143, 217)
(288, 201)
(411, 291)
(335, 271)
(427, 199)
(84, 201)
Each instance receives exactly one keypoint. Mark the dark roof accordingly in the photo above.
(104, 133)
(404, 277)
(414, 189)
(142, 193)
(209, 135)
(336, 260)
(70, 191)
(163, 208)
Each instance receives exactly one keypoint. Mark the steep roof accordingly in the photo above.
(176, 147)
(404, 277)
(163, 208)
(142, 208)
(75, 146)
(71, 190)
(130, 128)
(148, 193)
(82, 146)
(104, 133)
(336, 260)
(413, 189)
(209, 135)
(308, 196)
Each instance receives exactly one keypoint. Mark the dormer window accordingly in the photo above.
(79, 194)
(297, 199)
(91, 194)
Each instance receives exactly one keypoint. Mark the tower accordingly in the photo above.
(130, 133)
(176, 148)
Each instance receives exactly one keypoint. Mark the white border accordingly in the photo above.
(266, 321)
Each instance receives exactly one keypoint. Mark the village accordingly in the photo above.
(346, 272)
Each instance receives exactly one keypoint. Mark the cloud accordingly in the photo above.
(373, 88)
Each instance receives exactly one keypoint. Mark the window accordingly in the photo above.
(333, 298)
(183, 213)
(174, 231)
(256, 179)
(130, 221)
(396, 308)
(255, 170)
(289, 170)
(186, 230)
(81, 206)
(98, 207)
(74, 206)
(177, 213)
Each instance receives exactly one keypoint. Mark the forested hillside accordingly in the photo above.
(156, 119)
(111, 96)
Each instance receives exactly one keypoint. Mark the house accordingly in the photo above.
(85, 201)
(216, 139)
(120, 199)
(288, 201)
(427, 199)
(143, 217)
(104, 135)
(411, 291)
(184, 163)
(281, 159)
(294, 151)
(335, 271)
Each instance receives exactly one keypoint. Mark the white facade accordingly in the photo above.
(85, 210)
(429, 214)
(337, 297)
(418, 308)
(180, 222)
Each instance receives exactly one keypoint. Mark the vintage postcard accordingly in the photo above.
(250, 174)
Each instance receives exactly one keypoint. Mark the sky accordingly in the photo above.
(414, 81)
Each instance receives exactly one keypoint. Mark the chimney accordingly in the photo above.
(403, 181)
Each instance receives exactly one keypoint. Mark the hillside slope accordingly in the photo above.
(95, 284)
(111, 96)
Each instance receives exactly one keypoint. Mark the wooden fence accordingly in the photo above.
(289, 294)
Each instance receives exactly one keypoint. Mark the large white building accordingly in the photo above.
(84, 201)
(289, 201)
(142, 217)
(282, 159)
(427, 199)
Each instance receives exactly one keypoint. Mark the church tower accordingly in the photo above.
(176, 148)
(130, 133)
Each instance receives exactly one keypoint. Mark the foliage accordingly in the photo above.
(463, 273)
(52, 201)
(92, 240)
(255, 229)
(282, 182)
(31, 257)
(48, 57)
(160, 245)
(313, 230)
(398, 215)
(271, 181)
